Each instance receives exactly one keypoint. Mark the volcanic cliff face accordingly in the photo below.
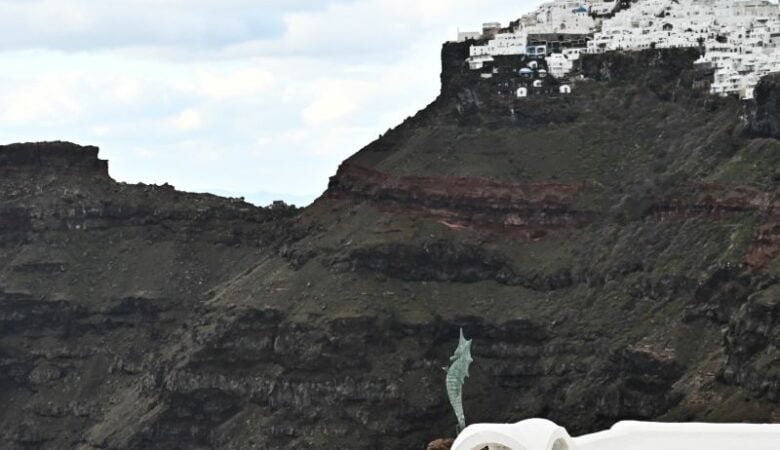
(98, 280)
(613, 254)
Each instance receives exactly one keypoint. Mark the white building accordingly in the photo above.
(563, 16)
(513, 43)
(560, 64)
(539, 434)
(738, 36)
(604, 8)
(556, 17)
(503, 44)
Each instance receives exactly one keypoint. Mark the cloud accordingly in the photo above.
(95, 24)
(54, 97)
(188, 120)
(384, 29)
(239, 95)
(336, 100)
(127, 89)
(243, 83)
(175, 29)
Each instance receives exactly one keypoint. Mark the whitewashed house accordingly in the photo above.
(736, 35)
(563, 16)
(740, 38)
(502, 44)
(604, 8)
(558, 16)
(560, 64)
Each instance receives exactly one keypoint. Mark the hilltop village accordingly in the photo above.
(740, 40)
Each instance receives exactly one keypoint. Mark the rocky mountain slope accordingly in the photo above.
(613, 254)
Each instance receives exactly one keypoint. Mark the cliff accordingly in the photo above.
(613, 254)
(57, 157)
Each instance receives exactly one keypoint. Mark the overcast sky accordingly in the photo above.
(226, 96)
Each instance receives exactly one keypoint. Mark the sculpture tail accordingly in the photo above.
(457, 405)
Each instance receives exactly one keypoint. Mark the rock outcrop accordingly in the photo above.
(763, 114)
(55, 157)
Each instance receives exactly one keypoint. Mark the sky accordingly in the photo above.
(254, 98)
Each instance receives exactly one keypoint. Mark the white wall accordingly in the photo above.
(537, 434)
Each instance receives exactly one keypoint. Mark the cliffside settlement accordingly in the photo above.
(739, 40)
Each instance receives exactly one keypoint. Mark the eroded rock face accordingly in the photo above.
(532, 209)
(97, 279)
(612, 253)
(752, 341)
(763, 114)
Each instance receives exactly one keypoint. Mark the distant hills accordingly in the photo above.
(262, 198)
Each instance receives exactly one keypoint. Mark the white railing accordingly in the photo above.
(540, 434)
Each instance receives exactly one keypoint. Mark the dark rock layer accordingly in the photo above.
(763, 115)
